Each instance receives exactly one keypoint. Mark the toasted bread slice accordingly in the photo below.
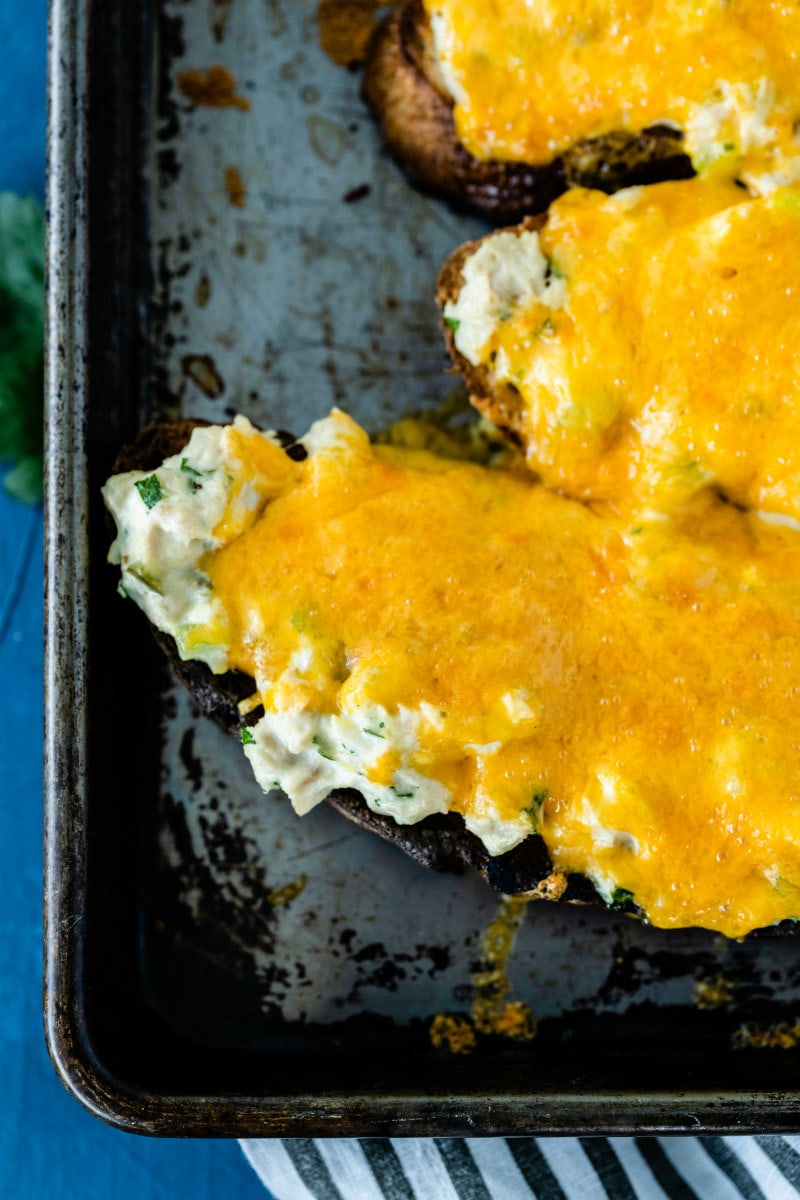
(164, 551)
(570, 332)
(499, 403)
(415, 113)
(439, 842)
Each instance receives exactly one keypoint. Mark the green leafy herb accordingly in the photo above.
(194, 475)
(401, 795)
(621, 896)
(21, 343)
(140, 573)
(375, 733)
(247, 737)
(533, 810)
(323, 750)
(453, 322)
(150, 490)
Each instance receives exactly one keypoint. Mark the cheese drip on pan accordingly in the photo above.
(448, 637)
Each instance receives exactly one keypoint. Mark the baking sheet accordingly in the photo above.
(266, 257)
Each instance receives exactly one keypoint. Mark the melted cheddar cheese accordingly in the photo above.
(649, 340)
(449, 637)
(530, 80)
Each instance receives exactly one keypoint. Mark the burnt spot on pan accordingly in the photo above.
(193, 765)
(357, 193)
(633, 967)
(218, 13)
(173, 46)
(377, 966)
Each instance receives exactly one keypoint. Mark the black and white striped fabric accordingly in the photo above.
(621, 1168)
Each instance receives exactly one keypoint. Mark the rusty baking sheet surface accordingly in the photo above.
(291, 269)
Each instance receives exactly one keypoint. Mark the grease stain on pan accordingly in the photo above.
(173, 47)
(276, 18)
(212, 87)
(202, 370)
(218, 13)
(235, 187)
(327, 139)
(344, 28)
(202, 291)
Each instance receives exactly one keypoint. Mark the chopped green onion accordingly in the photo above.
(150, 490)
(323, 750)
(247, 737)
(621, 896)
(141, 574)
(533, 809)
(453, 322)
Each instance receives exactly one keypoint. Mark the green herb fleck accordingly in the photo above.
(401, 795)
(454, 323)
(247, 737)
(375, 733)
(533, 809)
(621, 896)
(636, 529)
(150, 490)
(323, 750)
(145, 577)
(194, 476)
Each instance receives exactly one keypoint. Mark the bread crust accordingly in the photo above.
(401, 84)
(440, 842)
(500, 402)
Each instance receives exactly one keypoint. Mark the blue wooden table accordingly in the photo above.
(50, 1148)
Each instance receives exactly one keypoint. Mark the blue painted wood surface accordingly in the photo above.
(50, 1148)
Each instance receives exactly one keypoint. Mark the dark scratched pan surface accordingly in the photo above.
(215, 965)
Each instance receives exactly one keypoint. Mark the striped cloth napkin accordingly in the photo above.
(599, 1168)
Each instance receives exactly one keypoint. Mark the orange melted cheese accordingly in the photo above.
(671, 362)
(632, 691)
(529, 80)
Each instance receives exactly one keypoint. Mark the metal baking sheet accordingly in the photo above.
(215, 965)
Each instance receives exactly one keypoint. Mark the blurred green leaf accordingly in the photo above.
(21, 342)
